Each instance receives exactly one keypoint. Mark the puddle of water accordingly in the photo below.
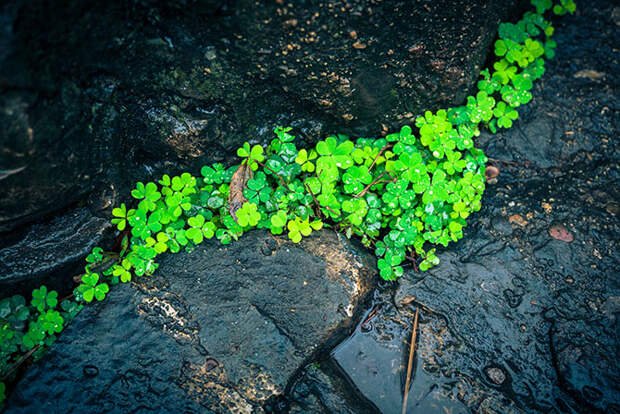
(376, 363)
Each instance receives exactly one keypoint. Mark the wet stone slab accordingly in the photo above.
(520, 315)
(220, 329)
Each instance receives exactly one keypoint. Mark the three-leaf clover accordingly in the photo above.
(305, 158)
(248, 215)
(278, 222)
(298, 228)
(42, 299)
(121, 215)
(258, 190)
(253, 155)
(333, 156)
(454, 162)
(397, 194)
(90, 289)
(199, 229)
(122, 271)
(505, 114)
(148, 194)
(356, 178)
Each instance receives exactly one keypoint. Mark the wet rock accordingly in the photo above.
(220, 328)
(321, 390)
(376, 363)
(51, 251)
(513, 295)
(185, 83)
(50, 157)
(496, 375)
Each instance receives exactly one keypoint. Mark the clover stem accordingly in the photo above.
(315, 200)
(414, 260)
(275, 173)
(385, 147)
(376, 181)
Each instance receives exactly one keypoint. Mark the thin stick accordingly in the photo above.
(496, 161)
(378, 155)
(410, 364)
(376, 181)
(275, 173)
(18, 363)
(318, 206)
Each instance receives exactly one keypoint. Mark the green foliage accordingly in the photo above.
(90, 288)
(404, 194)
(29, 328)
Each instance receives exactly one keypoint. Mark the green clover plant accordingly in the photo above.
(403, 195)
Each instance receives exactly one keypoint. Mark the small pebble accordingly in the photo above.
(210, 364)
(495, 375)
(90, 371)
(561, 233)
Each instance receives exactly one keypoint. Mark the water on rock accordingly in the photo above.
(220, 328)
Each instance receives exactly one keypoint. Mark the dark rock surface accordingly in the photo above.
(94, 93)
(513, 319)
(54, 250)
(220, 328)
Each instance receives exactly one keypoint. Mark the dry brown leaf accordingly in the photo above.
(238, 183)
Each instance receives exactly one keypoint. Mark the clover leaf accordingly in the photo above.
(542, 5)
(565, 6)
(258, 190)
(398, 195)
(454, 162)
(389, 268)
(278, 222)
(216, 174)
(148, 194)
(51, 322)
(199, 229)
(298, 228)
(333, 156)
(480, 108)
(14, 310)
(252, 155)
(487, 84)
(429, 261)
(505, 114)
(248, 215)
(515, 96)
(121, 215)
(91, 289)
(42, 299)
(356, 178)
(122, 271)
(504, 72)
(305, 158)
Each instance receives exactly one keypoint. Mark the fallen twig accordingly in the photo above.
(318, 206)
(276, 174)
(375, 181)
(19, 362)
(410, 363)
(378, 155)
